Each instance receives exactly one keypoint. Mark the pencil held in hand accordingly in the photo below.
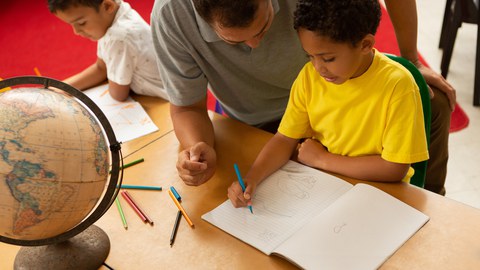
(242, 184)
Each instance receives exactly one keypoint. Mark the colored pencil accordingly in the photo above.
(4, 89)
(136, 207)
(175, 227)
(180, 207)
(132, 163)
(126, 165)
(122, 215)
(140, 187)
(242, 184)
(174, 191)
(37, 72)
(149, 220)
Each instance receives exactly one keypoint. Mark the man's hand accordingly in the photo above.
(434, 79)
(197, 164)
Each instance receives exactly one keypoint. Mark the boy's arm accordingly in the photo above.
(117, 91)
(370, 168)
(89, 77)
(273, 156)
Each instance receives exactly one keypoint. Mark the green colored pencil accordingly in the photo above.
(122, 215)
(131, 163)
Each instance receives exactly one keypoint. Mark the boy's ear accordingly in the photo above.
(109, 5)
(367, 43)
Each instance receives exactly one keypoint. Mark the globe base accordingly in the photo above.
(87, 250)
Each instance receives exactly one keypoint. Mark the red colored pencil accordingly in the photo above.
(136, 208)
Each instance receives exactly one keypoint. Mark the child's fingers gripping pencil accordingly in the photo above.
(242, 184)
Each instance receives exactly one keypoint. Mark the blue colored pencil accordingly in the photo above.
(242, 184)
(176, 193)
(140, 187)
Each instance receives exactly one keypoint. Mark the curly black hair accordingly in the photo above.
(339, 20)
(62, 5)
(229, 13)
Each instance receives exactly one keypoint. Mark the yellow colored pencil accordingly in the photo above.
(4, 89)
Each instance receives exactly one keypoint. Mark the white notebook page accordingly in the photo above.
(282, 204)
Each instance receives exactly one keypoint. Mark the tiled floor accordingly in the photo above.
(463, 179)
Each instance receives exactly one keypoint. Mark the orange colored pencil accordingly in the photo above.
(180, 207)
(37, 72)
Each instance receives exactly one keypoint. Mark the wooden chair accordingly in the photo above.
(456, 13)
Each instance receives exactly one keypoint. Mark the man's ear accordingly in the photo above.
(367, 43)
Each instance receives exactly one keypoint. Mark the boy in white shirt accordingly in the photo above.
(125, 54)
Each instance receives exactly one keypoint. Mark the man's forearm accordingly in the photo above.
(404, 19)
(192, 124)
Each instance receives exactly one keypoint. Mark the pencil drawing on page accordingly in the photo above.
(293, 185)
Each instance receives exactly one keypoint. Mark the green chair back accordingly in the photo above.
(420, 168)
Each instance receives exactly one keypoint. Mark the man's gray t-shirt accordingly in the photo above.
(252, 85)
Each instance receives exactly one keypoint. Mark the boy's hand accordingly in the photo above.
(237, 196)
(197, 164)
(312, 153)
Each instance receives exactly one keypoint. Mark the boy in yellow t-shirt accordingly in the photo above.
(361, 111)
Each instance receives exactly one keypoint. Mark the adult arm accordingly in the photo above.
(404, 18)
(186, 84)
(194, 130)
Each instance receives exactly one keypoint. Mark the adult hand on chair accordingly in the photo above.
(435, 79)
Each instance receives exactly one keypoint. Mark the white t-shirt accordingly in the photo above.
(127, 50)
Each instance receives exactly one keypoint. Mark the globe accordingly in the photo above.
(55, 158)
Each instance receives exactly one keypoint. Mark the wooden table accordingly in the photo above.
(450, 240)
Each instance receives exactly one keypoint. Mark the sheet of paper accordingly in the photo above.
(282, 204)
(361, 230)
(128, 118)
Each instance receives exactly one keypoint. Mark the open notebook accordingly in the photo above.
(127, 118)
(318, 221)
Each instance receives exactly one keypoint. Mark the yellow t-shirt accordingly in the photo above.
(377, 113)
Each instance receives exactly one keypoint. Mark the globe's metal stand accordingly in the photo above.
(85, 246)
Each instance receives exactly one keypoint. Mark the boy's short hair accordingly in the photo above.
(339, 20)
(228, 13)
(62, 5)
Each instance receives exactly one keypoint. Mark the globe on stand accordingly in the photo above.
(56, 149)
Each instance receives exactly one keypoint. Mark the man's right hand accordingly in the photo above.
(197, 164)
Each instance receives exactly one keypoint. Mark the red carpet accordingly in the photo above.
(31, 37)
